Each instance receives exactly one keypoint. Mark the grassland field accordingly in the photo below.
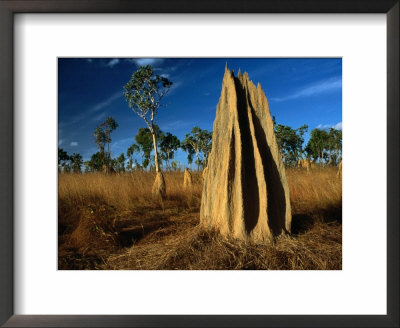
(112, 222)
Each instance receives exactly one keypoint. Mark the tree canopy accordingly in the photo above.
(325, 146)
(102, 137)
(63, 159)
(144, 140)
(77, 162)
(144, 93)
(290, 142)
(198, 143)
(169, 145)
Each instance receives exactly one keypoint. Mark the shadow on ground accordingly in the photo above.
(303, 222)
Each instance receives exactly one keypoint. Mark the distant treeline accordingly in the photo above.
(324, 146)
(139, 155)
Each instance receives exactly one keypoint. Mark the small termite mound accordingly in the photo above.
(187, 181)
(159, 190)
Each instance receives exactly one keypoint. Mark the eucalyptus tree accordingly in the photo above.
(87, 166)
(63, 159)
(169, 145)
(334, 146)
(290, 142)
(144, 93)
(109, 125)
(197, 143)
(317, 146)
(96, 162)
(121, 163)
(102, 138)
(144, 140)
(134, 148)
(77, 162)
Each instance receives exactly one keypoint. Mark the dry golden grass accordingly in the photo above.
(112, 222)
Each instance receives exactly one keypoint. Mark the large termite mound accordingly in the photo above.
(245, 191)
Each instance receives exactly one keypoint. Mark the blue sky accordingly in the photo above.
(299, 90)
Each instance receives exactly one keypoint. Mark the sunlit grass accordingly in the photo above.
(112, 222)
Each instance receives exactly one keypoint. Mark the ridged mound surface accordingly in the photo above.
(245, 191)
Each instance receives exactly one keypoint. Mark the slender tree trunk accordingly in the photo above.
(197, 160)
(155, 151)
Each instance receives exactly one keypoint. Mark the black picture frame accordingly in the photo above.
(10, 7)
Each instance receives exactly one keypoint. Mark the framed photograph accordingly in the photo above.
(150, 103)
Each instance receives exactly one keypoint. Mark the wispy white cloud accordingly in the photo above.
(175, 86)
(146, 61)
(95, 108)
(337, 126)
(106, 102)
(112, 62)
(60, 142)
(176, 125)
(74, 144)
(89, 60)
(314, 89)
(99, 117)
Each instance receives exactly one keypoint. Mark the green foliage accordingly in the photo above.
(198, 143)
(134, 148)
(113, 166)
(87, 166)
(324, 146)
(290, 142)
(175, 165)
(186, 147)
(334, 146)
(144, 93)
(109, 125)
(96, 162)
(169, 144)
(77, 162)
(144, 140)
(102, 137)
(316, 145)
(120, 164)
(62, 156)
(63, 160)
